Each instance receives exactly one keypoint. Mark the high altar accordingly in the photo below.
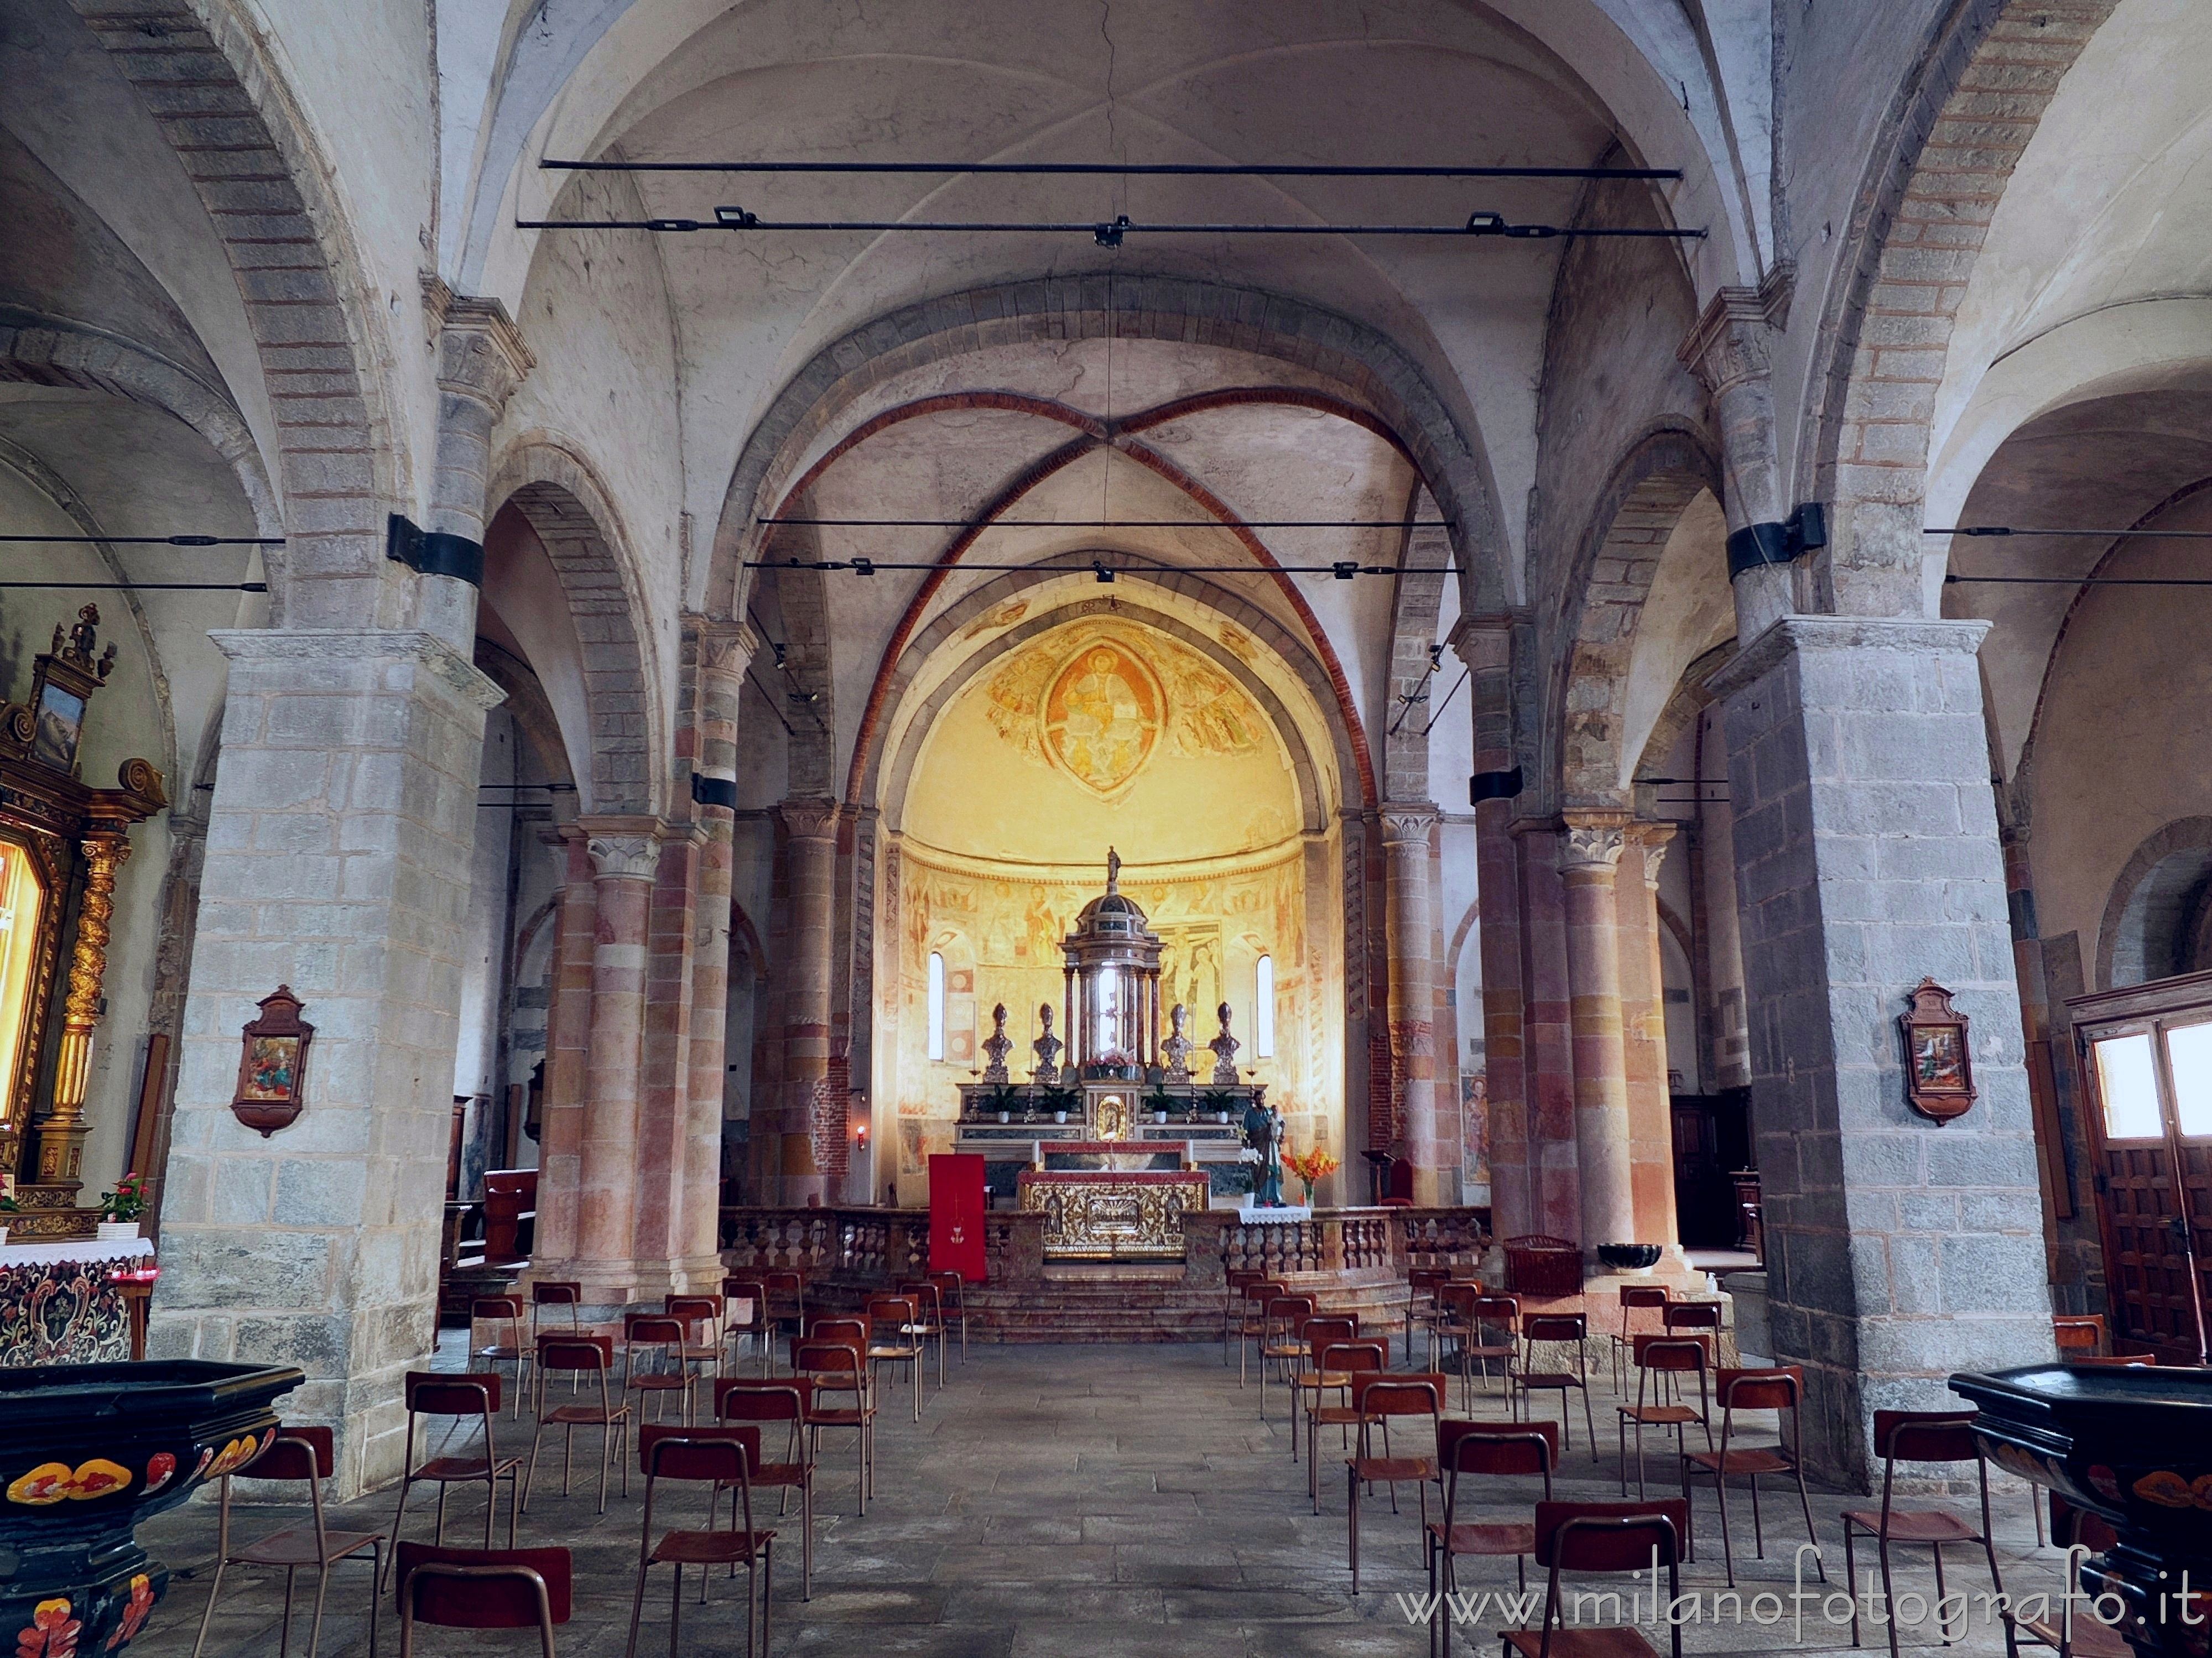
(1116, 1143)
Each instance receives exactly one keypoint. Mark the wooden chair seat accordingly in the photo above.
(1485, 1537)
(1551, 1379)
(709, 1548)
(1739, 1462)
(1659, 1416)
(1579, 1643)
(659, 1381)
(582, 1416)
(465, 1467)
(1370, 1470)
(1915, 1525)
(1337, 1416)
(2093, 1636)
(295, 1546)
(841, 1417)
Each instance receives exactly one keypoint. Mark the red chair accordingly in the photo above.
(1340, 1366)
(1939, 1436)
(695, 1310)
(1317, 1333)
(483, 1588)
(1377, 1398)
(787, 1301)
(895, 1337)
(1279, 1340)
(766, 1401)
(929, 1317)
(839, 1367)
(1253, 1318)
(1489, 1331)
(662, 1339)
(1422, 1307)
(502, 1310)
(1496, 1449)
(554, 1292)
(1636, 1298)
(1663, 1356)
(432, 1392)
(580, 1356)
(1779, 1389)
(1602, 1537)
(725, 1457)
(303, 1455)
(1561, 1328)
(1233, 1302)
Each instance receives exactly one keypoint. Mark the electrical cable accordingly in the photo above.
(1447, 703)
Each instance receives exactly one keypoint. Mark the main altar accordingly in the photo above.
(1115, 1141)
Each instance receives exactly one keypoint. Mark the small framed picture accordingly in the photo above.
(59, 727)
(272, 1070)
(1939, 1064)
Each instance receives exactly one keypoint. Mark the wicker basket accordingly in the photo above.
(1539, 1266)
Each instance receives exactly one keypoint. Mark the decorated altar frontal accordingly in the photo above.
(69, 1302)
(1112, 1200)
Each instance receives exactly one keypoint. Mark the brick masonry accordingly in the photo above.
(1897, 1251)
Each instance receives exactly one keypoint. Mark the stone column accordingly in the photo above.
(481, 360)
(1485, 644)
(624, 851)
(1643, 1031)
(1728, 352)
(1408, 917)
(1589, 861)
(1548, 1017)
(568, 1054)
(338, 845)
(664, 1080)
(1866, 856)
(809, 876)
(720, 652)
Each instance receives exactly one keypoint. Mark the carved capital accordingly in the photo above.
(622, 848)
(1728, 343)
(1485, 643)
(807, 819)
(482, 354)
(722, 647)
(1407, 823)
(1654, 838)
(1592, 846)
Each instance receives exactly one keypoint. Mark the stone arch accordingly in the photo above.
(1635, 513)
(2155, 919)
(1692, 697)
(1313, 803)
(1948, 145)
(1415, 606)
(1443, 445)
(575, 521)
(41, 350)
(223, 105)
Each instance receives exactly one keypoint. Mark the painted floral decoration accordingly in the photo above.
(135, 1614)
(160, 1467)
(52, 1632)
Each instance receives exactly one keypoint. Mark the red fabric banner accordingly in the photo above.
(957, 1204)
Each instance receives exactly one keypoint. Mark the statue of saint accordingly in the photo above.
(1178, 1047)
(997, 1046)
(1224, 1048)
(1263, 1132)
(1046, 1049)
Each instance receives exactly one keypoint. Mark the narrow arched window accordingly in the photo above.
(1263, 1010)
(936, 1005)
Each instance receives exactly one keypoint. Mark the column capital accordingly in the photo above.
(723, 645)
(1594, 841)
(1407, 823)
(1485, 643)
(809, 818)
(1728, 344)
(481, 353)
(1654, 836)
(623, 847)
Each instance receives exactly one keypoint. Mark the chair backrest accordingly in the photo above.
(558, 1351)
(1925, 1437)
(483, 1588)
(828, 1358)
(652, 1330)
(838, 1329)
(1351, 1355)
(1643, 1295)
(1656, 1351)
(1320, 1332)
(1417, 1394)
(491, 1308)
(2078, 1332)
(1289, 1312)
(1611, 1536)
(669, 1451)
(784, 1283)
(1457, 1296)
(1498, 1447)
(948, 1284)
(1494, 1309)
(306, 1454)
(1264, 1290)
(1692, 1316)
(751, 1291)
(782, 1399)
(893, 1310)
(442, 1392)
(1776, 1389)
(557, 1292)
(693, 1309)
(1424, 1280)
(1555, 1327)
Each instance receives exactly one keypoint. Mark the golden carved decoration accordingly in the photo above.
(61, 1137)
(1109, 1219)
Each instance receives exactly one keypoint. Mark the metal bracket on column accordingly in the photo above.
(1757, 545)
(713, 791)
(1493, 786)
(431, 552)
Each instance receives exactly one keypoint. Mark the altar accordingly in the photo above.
(1112, 1200)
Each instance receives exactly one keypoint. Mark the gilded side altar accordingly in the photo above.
(1113, 1215)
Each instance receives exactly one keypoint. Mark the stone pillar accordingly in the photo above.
(809, 878)
(568, 1053)
(1866, 856)
(1724, 943)
(1590, 862)
(1406, 828)
(719, 652)
(1485, 644)
(1728, 352)
(624, 852)
(664, 1081)
(1554, 1170)
(481, 360)
(338, 845)
(1644, 1032)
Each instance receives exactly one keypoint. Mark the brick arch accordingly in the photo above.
(1635, 513)
(1375, 371)
(575, 522)
(2156, 910)
(1947, 148)
(223, 105)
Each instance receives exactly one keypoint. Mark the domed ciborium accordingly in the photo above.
(87, 1452)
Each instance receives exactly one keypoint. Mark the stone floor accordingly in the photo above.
(1100, 1501)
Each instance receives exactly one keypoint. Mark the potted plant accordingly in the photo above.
(1159, 1102)
(1311, 1167)
(1059, 1102)
(121, 1210)
(1223, 1104)
(7, 1206)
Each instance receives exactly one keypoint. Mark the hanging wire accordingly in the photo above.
(1447, 703)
